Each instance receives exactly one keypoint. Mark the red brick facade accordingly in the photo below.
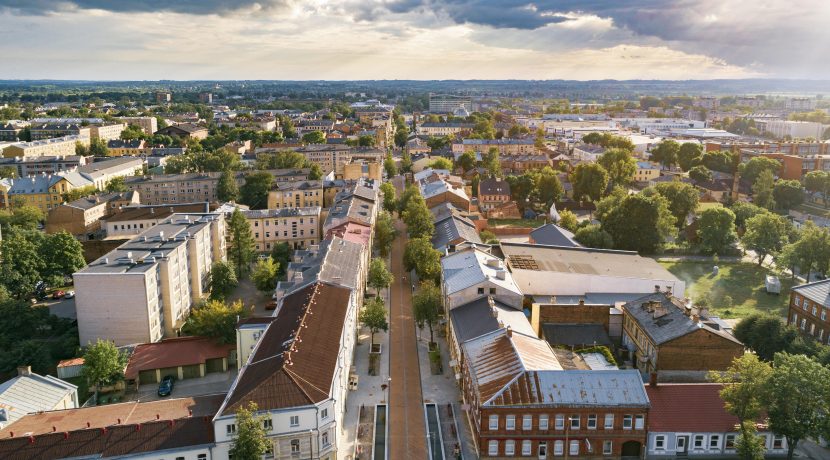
(811, 318)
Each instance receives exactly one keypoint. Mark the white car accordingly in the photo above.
(69, 295)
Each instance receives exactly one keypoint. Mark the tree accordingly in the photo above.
(621, 166)
(466, 161)
(8, 172)
(21, 264)
(215, 319)
(683, 198)
(765, 234)
(744, 386)
(427, 307)
(79, 192)
(798, 399)
(765, 334)
(254, 192)
(589, 181)
(700, 174)
(418, 219)
(488, 237)
(810, 252)
(390, 202)
(265, 274)
(281, 160)
(567, 220)
(716, 230)
(373, 316)
(314, 137)
(665, 153)
(241, 247)
(725, 162)
(379, 276)
(221, 280)
(420, 256)
(251, 441)
(441, 163)
(389, 167)
(640, 223)
(689, 155)
(281, 254)
(227, 188)
(116, 185)
(753, 168)
(548, 188)
(788, 193)
(103, 364)
(315, 172)
(384, 233)
(745, 211)
(491, 162)
(98, 147)
(762, 190)
(63, 255)
(593, 236)
(819, 182)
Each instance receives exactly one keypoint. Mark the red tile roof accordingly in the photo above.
(352, 231)
(71, 362)
(692, 407)
(181, 351)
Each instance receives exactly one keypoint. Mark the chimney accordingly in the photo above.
(668, 291)
(65, 435)
(652, 380)
(581, 301)
(24, 370)
(509, 331)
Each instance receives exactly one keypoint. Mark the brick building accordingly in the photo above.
(492, 192)
(809, 307)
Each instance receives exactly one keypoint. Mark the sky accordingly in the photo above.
(414, 39)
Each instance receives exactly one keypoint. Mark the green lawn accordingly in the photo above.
(704, 206)
(742, 282)
(527, 223)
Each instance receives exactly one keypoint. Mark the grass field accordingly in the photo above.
(526, 223)
(704, 206)
(743, 283)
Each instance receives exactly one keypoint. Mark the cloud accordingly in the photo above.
(199, 7)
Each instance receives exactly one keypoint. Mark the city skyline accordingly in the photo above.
(412, 39)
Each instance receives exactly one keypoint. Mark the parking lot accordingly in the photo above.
(209, 384)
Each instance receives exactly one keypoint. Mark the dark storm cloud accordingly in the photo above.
(138, 6)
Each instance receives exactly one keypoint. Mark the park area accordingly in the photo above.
(735, 292)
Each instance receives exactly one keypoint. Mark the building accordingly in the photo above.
(181, 357)
(83, 217)
(453, 229)
(184, 131)
(148, 124)
(107, 131)
(305, 353)
(689, 421)
(102, 172)
(471, 273)
(299, 227)
(795, 129)
(658, 125)
(46, 191)
(144, 290)
(449, 103)
(646, 172)
(707, 102)
(553, 235)
(335, 157)
(666, 336)
(30, 166)
(58, 147)
(10, 132)
(30, 393)
(131, 221)
(135, 147)
(443, 190)
(522, 403)
(492, 192)
(175, 188)
(809, 309)
(801, 104)
(443, 129)
(42, 131)
(358, 204)
(298, 194)
(505, 146)
(362, 169)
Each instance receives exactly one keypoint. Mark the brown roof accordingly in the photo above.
(156, 212)
(294, 362)
(181, 351)
(108, 415)
(494, 186)
(688, 407)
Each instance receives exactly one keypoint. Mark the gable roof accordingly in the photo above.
(179, 351)
(295, 360)
(472, 266)
(818, 291)
(554, 235)
(692, 407)
(485, 315)
(494, 186)
(26, 394)
(453, 228)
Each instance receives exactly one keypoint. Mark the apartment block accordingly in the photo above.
(46, 191)
(131, 221)
(61, 146)
(175, 188)
(148, 124)
(795, 129)
(449, 103)
(299, 227)
(809, 310)
(42, 131)
(144, 290)
(506, 147)
(82, 217)
(119, 148)
(443, 129)
(30, 166)
(300, 194)
(101, 172)
(331, 157)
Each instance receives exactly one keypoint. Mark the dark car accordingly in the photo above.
(166, 386)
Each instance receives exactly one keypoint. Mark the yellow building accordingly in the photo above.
(300, 194)
(646, 172)
(361, 169)
(59, 147)
(45, 192)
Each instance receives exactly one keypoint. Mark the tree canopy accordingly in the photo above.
(215, 319)
(716, 230)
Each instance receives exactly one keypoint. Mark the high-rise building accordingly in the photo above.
(449, 103)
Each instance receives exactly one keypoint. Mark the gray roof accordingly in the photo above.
(297, 185)
(121, 144)
(284, 212)
(575, 334)
(578, 388)
(174, 177)
(333, 262)
(484, 315)
(554, 235)
(41, 183)
(91, 201)
(469, 267)
(666, 327)
(494, 186)
(818, 291)
(100, 168)
(26, 394)
(453, 228)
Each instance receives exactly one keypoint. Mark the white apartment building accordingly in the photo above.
(656, 125)
(144, 290)
(795, 129)
(101, 172)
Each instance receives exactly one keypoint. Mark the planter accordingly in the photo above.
(375, 348)
(435, 365)
(374, 364)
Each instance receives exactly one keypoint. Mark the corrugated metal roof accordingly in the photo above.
(26, 394)
(818, 291)
(485, 315)
(469, 267)
(577, 388)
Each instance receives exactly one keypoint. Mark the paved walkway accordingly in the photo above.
(407, 432)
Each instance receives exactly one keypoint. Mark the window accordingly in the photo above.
(493, 448)
(295, 446)
(543, 449)
(268, 424)
(201, 457)
(730, 441)
(803, 323)
(609, 421)
(639, 422)
(527, 422)
(778, 442)
(607, 447)
(823, 314)
(559, 448)
(575, 422)
(510, 447)
(526, 447)
(592, 422)
(492, 291)
(815, 310)
(574, 448)
(324, 414)
(494, 422)
(481, 290)
(698, 443)
(627, 422)
(294, 420)
(543, 422)
(325, 438)
(269, 451)
(510, 423)
(805, 305)
(179, 458)
(714, 441)
(560, 422)
(230, 429)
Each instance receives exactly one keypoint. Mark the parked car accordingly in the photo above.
(58, 294)
(166, 385)
(69, 295)
(272, 305)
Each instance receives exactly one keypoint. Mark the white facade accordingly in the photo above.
(795, 129)
(664, 445)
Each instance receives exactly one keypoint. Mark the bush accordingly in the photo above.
(600, 349)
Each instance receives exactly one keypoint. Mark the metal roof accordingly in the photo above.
(451, 229)
(485, 315)
(469, 267)
(26, 394)
(818, 291)
(575, 388)
(554, 235)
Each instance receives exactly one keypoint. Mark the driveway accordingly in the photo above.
(209, 384)
(63, 308)
(250, 296)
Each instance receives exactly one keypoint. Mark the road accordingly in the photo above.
(407, 434)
